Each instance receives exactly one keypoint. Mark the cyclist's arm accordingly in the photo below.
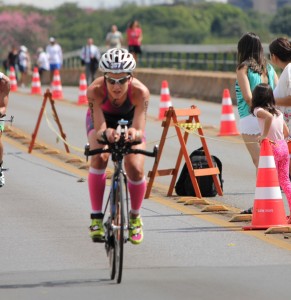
(140, 99)
(95, 97)
(4, 92)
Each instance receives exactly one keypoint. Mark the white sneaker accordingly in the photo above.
(2, 178)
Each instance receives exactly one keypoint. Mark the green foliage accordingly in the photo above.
(281, 23)
(162, 24)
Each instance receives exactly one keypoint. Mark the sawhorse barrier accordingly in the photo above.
(47, 95)
(172, 116)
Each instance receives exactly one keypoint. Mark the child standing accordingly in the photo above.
(273, 127)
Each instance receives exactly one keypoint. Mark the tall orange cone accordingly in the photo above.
(35, 84)
(57, 90)
(82, 99)
(165, 100)
(268, 207)
(13, 81)
(227, 120)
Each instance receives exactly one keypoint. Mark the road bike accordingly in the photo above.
(117, 205)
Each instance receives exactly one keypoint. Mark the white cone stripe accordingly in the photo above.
(57, 78)
(165, 104)
(57, 88)
(82, 93)
(35, 84)
(165, 91)
(265, 193)
(83, 82)
(13, 82)
(267, 162)
(227, 117)
(226, 101)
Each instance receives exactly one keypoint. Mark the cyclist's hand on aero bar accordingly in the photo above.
(134, 135)
(109, 135)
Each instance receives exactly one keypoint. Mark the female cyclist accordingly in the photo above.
(116, 95)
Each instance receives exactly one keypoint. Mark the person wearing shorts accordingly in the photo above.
(55, 56)
(116, 95)
(252, 69)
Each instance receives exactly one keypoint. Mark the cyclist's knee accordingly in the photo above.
(99, 161)
(135, 172)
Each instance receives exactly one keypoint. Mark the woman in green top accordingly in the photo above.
(252, 69)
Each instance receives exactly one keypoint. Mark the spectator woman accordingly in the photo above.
(280, 56)
(252, 69)
(134, 38)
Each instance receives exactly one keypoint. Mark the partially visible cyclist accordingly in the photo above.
(4, 93)
(117, 95)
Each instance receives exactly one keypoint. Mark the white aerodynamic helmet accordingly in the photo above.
(117, 60)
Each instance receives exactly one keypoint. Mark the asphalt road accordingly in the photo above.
(45, 250)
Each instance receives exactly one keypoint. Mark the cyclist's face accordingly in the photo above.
(117, 84)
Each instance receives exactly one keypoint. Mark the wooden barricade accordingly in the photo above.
(172, 116)
(47, 95)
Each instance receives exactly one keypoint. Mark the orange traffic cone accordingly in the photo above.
(268, 207)
(165, 101)
(227, 120)
(13, 81)
(35, 84)
(57, 91)
(83, 90)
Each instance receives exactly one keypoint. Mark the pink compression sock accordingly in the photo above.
(137, 191)
(96, 183)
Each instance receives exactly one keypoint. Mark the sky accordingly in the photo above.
(47, 4)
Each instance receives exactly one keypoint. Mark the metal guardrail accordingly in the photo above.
(181, 57)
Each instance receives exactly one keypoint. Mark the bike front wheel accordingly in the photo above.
(118, 224)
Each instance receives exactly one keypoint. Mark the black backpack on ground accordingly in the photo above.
(206, 184)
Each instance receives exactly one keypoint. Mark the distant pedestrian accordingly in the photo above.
(42, 63)
(24, 65)
(90, 56)
(12, 60)
(134, 38)
(55, 56)
(114, 38)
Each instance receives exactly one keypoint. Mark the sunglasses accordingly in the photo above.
(113, 81)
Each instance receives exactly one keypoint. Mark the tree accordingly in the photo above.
(281, 23)
(19, 28)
